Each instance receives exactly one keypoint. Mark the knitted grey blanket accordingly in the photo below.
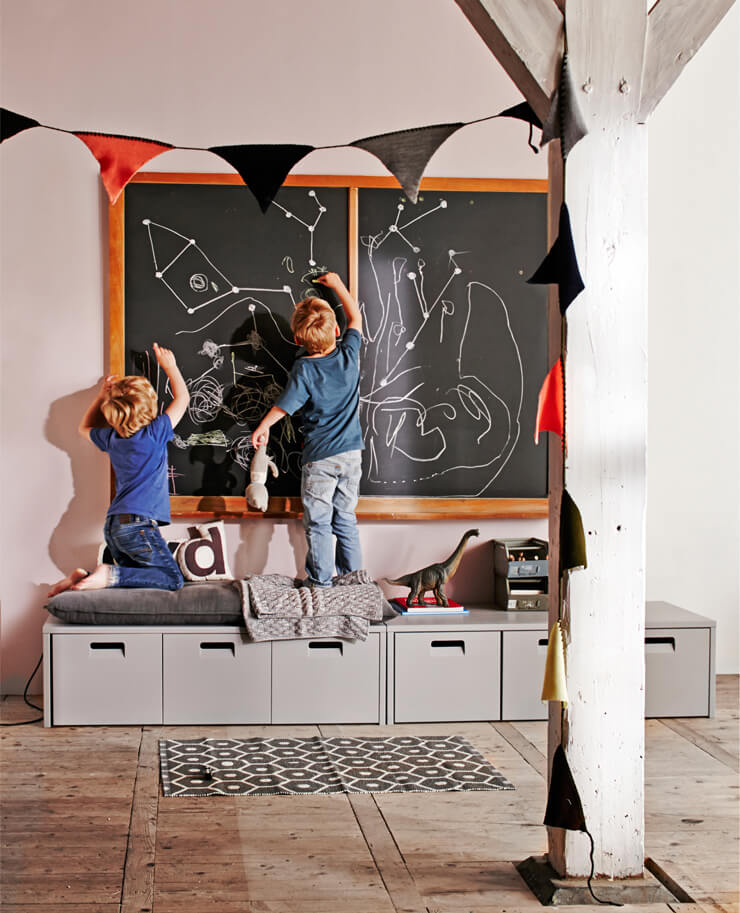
(277, 607)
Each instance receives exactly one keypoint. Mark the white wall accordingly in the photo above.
(202, 73)
(693, 547)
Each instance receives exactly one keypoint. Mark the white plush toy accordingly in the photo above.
(256, 493)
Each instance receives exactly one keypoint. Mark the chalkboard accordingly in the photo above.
(456, 342)
(454, 348)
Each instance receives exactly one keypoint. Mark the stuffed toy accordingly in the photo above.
(256, 493)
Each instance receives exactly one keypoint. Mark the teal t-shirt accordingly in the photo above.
(327, 391)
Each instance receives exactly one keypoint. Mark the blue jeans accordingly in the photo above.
(329, 491)
(141, 554)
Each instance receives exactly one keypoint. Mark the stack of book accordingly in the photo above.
(430, 607)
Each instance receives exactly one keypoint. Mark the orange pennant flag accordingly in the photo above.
(120, 157)
(551, 403)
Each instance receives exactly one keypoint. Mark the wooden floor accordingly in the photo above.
(85, 829)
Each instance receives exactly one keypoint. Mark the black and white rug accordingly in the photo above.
(293, 767)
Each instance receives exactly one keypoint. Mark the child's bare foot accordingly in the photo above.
(65, 583)
(97, 580)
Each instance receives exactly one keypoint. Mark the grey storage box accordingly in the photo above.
(329, 680)
(215, 678)
(522, 673)
(102, 678)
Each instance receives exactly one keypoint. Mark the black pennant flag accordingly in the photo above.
(572, 538)
(406, 153)
(564, 807)
(263, 168)
(12, 123)
(523, 111)
(564, 118)
(560, 265)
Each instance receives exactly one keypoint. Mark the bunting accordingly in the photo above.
(263, 168)
(12, 123)
(560, 265)
(554, 687)
(564, 808)
(564, 119)
(120, 157)
(523, 111)
(572, 538)
(551, 403)
(406, 153)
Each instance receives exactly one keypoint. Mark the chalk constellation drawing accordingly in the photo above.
(243, 393)
(411, 415)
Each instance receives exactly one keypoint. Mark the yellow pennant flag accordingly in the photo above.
(553, 686)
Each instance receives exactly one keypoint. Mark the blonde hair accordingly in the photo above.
(130, 405)
(314, 325)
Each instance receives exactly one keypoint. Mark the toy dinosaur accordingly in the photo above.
(434, 576)
(256, 493)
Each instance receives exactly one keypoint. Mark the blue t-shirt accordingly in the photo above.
(140, 465)
(327, 390)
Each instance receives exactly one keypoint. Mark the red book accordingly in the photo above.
(430, 606)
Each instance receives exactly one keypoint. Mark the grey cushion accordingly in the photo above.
(212, 603)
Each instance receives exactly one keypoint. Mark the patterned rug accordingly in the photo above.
(296, 767)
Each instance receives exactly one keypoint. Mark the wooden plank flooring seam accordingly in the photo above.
(521, 744)
(137, 886)
(684, 729)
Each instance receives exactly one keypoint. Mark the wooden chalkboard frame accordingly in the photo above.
(370, 508)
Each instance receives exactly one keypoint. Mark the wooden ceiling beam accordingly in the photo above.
(676, 30)
(527, 40)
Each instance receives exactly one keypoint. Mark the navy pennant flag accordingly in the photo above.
(564, 118)
(12, 123)
(523, 111)
(572, 537)
(560, 265)
(406, 153)
(263, 168)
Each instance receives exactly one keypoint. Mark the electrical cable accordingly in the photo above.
(38, 719)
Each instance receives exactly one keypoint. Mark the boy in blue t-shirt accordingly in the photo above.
(123, 422)
(325, 385)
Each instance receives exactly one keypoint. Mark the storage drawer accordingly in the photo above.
(327, 680)
(447, 675)
(523, 671)
(677, 669)
(215, 678)
(106, 679)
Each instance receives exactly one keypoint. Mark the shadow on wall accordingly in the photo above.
(79, 532)
(252, 555)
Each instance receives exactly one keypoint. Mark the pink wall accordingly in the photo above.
(195, 73)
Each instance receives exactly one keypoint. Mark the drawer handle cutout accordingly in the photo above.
(449, 645)
(669, 642)
(326, 645)
(218, 645)
(119, 646)
(542, 642)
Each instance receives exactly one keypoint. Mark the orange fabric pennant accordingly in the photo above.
(120, 157)
(551, 403)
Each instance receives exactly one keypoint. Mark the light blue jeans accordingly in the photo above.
(329, 491)
(141, 554)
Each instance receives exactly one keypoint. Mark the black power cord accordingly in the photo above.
(38, 719)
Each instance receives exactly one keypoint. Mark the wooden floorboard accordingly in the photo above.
(84, 827)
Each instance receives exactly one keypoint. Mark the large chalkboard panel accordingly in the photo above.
(209, 276)
(456, 342)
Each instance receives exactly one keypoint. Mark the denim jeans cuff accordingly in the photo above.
(114, 575)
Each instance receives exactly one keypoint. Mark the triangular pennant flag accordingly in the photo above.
(564, 119)
(554, 687)
(523, 111)
(406, 153)
(564, 808)
(551, 403)
(560, 265)
(263, 167)
(12, 123)
(120, 157)
(572, 538)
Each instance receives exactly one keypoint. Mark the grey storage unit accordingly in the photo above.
(218, 678)
(444, 668)
(103, 678)
(329, 680)
(680, 650)
(522, 672)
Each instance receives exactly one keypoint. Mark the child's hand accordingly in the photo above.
(260, 437)
(165, 357)
(331, 280)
